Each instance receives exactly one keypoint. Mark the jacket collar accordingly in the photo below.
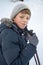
(16, 28)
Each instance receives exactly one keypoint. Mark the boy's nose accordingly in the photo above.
(25, 20)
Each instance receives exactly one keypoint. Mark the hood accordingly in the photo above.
(5, 22)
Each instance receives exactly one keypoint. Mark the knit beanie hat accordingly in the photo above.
(18, 7)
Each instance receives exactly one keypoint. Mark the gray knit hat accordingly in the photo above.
(19, 7)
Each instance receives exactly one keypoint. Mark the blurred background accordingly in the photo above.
(36, 21)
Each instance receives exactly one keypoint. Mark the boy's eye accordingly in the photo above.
(21, 16)
(27, 18)
(24, 17)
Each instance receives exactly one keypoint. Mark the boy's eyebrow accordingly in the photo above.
(24, 15)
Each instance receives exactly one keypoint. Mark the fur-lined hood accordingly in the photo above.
(5, 22)
(8, 22)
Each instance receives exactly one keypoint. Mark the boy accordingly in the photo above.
(15, 49)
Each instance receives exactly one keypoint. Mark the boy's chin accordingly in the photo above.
(23, 28)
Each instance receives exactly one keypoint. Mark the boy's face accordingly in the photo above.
(21, 20)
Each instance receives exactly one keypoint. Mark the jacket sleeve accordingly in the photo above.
(12, 53)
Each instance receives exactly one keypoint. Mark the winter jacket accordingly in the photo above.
(15, 49)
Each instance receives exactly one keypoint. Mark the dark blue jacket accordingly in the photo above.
(15, 49)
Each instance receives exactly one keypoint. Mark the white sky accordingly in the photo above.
(36, 21)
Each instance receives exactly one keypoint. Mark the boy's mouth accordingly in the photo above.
(24, 24)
